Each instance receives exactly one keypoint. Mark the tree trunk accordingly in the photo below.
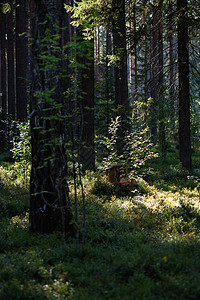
(21, 60)
(11, 67)
(157, 113)
(184, 91)
(121, 82)
(160, 88)
(108, 76)
(49, 194)
(86, 151)
(171, 74)
(3, 83)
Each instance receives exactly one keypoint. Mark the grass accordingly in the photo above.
(143, 245)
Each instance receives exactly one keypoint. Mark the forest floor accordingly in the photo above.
(140, 245)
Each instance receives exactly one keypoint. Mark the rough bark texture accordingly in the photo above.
(121, 82)
(49, 195)
(184, 92)
(21, 60)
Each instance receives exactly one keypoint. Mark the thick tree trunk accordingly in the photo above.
(49, 194)
(21, 60)
(184, 91)
(121, 82)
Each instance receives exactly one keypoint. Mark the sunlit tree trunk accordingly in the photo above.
(49, 194)
(184, 88)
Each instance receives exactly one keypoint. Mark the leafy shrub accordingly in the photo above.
(21, 150)
(137, 149)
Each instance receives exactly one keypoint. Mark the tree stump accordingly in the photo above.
(115, 173)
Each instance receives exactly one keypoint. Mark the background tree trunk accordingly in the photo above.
(171, 72)
(121, 82)
(86, 151)
(3, 82)
(184, 90)
(21, 60)
(11, 66)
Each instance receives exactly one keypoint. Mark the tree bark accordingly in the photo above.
(3, 82)
(86, 151)
(121, 82)
(184, 88)
(157, 113)
(11, 66)
(21, 60)
(49, 193)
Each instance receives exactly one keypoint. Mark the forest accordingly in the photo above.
(99, 149)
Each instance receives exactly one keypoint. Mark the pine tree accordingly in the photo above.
(49, 193)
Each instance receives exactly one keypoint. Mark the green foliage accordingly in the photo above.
(87, 14)
(5, 8)
(21, 151)
(137, 149)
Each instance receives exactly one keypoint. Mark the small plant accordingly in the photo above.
(21, 150)
(137, 150)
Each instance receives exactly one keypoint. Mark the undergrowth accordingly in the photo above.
(138, 245)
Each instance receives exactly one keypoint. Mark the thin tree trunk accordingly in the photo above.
(161, 102)
(184, 89)
(98, 57)
(21, 60)
(108, 77)
(86, 151)
(3, 82)
(121, 82)
(135, 49)
(171, 74)
(157, 113)
(154, 72)
(11, 67)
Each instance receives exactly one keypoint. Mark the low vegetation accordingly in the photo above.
(140, 243)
